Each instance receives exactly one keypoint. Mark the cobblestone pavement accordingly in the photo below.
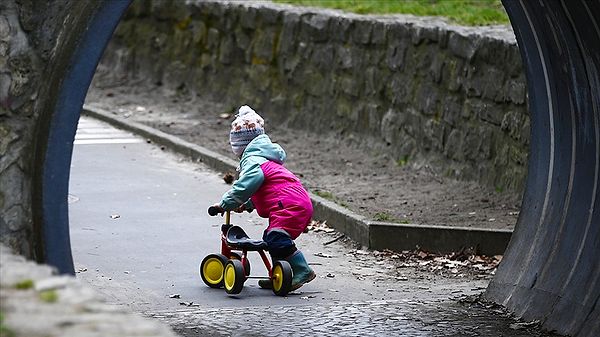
(369, 318)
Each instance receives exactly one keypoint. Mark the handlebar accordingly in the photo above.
(213, 210)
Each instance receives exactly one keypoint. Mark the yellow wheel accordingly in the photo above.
(233, 277)
(236, 256)
(211, 270)
(282, 278)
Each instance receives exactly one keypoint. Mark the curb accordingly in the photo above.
(372, 234)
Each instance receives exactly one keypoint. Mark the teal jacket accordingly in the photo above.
(259, 151)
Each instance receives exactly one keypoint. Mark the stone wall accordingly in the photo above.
(34, 301)
(35, 50)
(417, 88)
(20, 72)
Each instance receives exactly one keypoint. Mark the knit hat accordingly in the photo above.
(246, 126)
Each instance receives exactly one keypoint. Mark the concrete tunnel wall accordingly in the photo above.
(550, 271)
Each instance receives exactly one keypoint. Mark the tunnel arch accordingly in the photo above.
(550, 270)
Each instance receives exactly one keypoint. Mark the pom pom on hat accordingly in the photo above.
(246, 126)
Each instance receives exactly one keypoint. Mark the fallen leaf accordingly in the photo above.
(228, 178)
(319, 254)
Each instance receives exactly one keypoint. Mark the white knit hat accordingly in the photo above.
(246, 126)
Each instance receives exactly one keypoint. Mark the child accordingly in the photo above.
(276, 193)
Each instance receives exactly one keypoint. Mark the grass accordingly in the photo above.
(329, 196)
(4, 330)
(463, 12)
(325, 195)
(49, 296)
(384, 216)
(402, 161)
(24, 285)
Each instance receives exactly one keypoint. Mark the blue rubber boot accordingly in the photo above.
(302, 272)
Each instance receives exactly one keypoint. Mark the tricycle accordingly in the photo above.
(230, 269)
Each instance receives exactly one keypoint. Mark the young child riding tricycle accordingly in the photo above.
(266, 186)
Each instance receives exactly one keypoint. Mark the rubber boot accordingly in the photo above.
(302, 272)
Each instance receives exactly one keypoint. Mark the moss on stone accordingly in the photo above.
(25, 284)
(49, 296)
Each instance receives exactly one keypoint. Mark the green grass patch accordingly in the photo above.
(402, 161)
(49, 296)
(464, 12)
(384, 216)
(325, 195)
(24, 285)
(329, 196)
(4, 330)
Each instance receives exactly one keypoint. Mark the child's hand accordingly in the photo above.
(240, 209)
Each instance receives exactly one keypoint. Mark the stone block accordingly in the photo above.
(490, 113)
(451, 110)
(212, 39)
(248, 17)
(516, 90)
(361, 31)
(427, 99)
(227, 51)
(397, 90)
(395, 55)
(463, 46)
(268, 16)
(314, 27)
(436, 68)
(323, 57)
(492, 80)
(314, 83)
(340, 28)
(344, 57)
(242, 40)
(350, 85)
(425, 35)
(378, 33)
(372, 82)
(390, 125)
(453, 147)
(453, 74)
(288, 35)
(264, 46)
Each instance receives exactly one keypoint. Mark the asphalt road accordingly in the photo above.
(139, 229)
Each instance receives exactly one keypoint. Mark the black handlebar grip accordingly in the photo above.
(212, 210)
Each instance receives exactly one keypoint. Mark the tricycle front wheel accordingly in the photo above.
(237, 256)
(211, 270)
(234, 277)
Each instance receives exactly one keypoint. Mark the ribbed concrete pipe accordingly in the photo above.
(551, 269)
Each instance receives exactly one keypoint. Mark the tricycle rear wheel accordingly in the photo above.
(281, 278)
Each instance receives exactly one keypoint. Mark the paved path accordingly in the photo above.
(139, 229)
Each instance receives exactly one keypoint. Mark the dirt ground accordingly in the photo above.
(368, 183)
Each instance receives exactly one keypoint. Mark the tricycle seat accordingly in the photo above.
(237, 238)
